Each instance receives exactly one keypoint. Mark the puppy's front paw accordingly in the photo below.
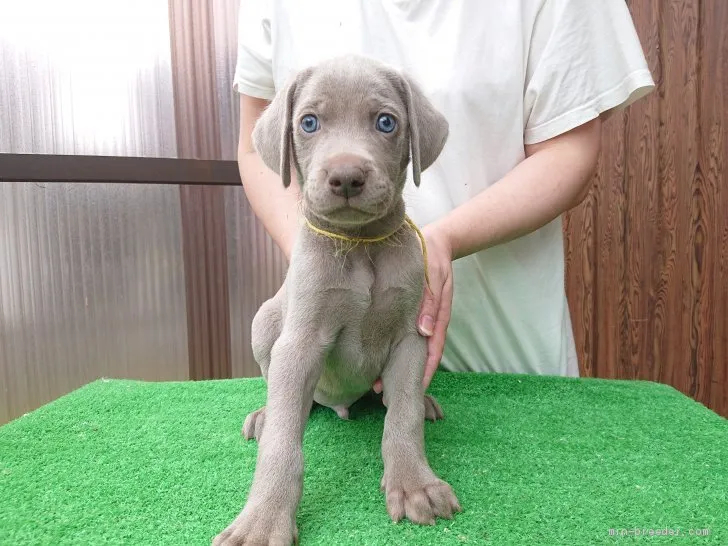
(418, 495)
(262, 526)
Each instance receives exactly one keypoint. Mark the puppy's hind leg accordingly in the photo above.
(265, 330)
(433, 411)
(253, 425)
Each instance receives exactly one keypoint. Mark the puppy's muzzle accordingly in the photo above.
(346, 175)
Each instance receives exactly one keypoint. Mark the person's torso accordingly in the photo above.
(470, 57)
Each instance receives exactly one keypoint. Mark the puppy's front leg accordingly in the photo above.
(412, 489)
(269, 516)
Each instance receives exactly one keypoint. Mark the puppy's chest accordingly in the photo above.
(384, 296)
(385, 280)
(369, 329)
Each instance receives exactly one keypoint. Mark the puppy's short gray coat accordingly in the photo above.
(345, 316)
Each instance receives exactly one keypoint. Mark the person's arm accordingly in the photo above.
(554, 177)
(275, 206)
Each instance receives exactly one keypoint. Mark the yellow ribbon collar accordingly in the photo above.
(371, 240)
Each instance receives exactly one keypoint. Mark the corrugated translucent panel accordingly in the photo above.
(91, 285)
(256, 270)
(86, 77)
(91, 276)
(225, 23)
(256, 267)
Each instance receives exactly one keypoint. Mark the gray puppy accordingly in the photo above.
(347, 311)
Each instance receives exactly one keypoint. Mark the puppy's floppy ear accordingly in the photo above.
(273, 132)
(428, 128)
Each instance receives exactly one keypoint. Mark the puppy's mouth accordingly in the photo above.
(348, 214)
(347, 211)
(350, 196)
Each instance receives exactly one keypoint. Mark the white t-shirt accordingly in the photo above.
(505, 73)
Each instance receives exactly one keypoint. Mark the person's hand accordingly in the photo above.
(434, 315)
(437, 300)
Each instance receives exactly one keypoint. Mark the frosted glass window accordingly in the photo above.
(86, 77)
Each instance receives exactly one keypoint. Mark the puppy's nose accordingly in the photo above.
(346, 180)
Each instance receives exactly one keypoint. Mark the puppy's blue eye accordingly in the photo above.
(386, 123)
(309, 123)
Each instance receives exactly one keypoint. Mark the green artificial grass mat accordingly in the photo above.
(533, 460)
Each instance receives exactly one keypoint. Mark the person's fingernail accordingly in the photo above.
(426, 325)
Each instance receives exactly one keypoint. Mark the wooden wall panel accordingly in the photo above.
(712, 160)
(642, 202)
(610, 335)
(580, 252)
(647, 250)
(679, 27)
(203, 208)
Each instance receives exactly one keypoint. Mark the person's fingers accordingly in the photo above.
(433, 361)
(436, 343)
(428, 312)
(445, 308)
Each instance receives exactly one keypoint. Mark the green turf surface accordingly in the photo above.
(533, 460)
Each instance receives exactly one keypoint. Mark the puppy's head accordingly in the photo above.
(350, 127)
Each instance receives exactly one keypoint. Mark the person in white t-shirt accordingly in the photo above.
(524, 85)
